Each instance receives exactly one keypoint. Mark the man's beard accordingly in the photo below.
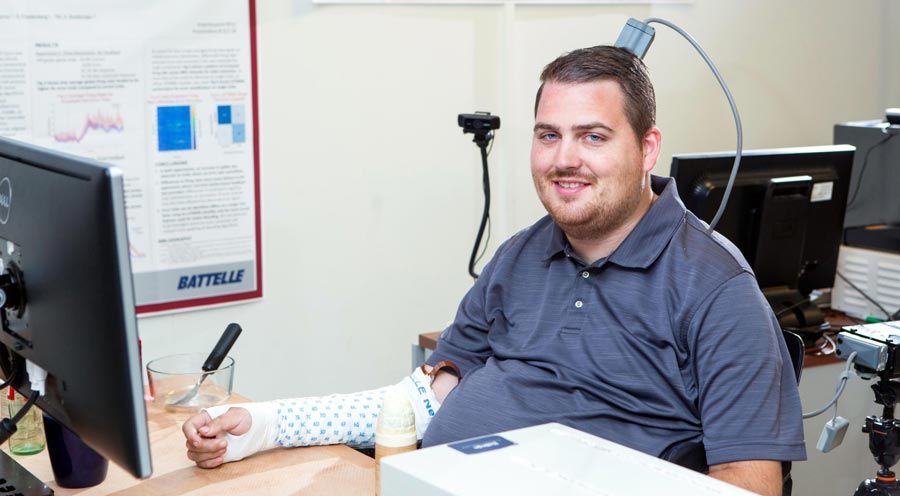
(602, 214)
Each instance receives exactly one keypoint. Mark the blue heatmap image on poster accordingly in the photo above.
(175, 128)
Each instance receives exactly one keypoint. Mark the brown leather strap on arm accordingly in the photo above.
(444, 364)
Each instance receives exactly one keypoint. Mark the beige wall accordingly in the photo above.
(371, 195)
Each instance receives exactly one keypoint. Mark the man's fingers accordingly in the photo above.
(200, 458)
(192, 425)
(215, 462)
(207, 445)
(205, 438)
(235, 421)
(221, 424)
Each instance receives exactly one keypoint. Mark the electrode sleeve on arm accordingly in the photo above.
(335, 419)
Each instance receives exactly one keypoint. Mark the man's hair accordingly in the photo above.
(602, 63)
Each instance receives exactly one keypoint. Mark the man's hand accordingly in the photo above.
(760, 476)
(206, 444)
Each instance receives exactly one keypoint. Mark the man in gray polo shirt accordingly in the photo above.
(618, 313)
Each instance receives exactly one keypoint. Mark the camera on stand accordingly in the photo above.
(481, 124)
(877, 348)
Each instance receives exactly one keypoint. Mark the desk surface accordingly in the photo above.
(428, 340)
(320, 470)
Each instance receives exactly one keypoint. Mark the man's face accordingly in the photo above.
(587, 164)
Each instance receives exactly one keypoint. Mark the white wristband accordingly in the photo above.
(417, 387)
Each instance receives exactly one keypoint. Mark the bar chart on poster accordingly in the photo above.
(166, 91)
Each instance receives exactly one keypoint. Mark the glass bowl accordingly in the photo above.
(172, 380)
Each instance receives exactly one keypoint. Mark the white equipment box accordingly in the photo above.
(547, 459)
(873, 271)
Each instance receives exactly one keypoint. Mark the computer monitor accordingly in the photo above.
(69, 305)
(785, 214)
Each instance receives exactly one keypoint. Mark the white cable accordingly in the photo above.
(845, 375)
(37, 376)
(737, 117)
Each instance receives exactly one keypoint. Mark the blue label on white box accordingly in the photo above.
(481, 444)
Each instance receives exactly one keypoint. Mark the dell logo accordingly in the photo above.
(5, 199)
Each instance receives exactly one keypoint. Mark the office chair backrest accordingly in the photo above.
(797, 350)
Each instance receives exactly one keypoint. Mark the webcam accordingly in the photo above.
(479, 122)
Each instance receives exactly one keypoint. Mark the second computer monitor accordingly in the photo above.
(786, 211)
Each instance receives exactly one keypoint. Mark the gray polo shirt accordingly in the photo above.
(666, 340)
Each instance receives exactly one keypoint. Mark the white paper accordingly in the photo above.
(821, 192)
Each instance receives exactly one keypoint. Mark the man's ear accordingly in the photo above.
(650, 145)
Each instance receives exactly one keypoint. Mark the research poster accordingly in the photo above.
(164, 90)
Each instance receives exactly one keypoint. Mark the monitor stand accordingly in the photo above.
(796, 313)
(15, 480)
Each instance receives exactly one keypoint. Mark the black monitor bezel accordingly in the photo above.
(695, 174)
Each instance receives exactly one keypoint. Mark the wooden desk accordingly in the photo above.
(320, 470)
(428, 341)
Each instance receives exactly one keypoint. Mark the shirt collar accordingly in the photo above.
(557, 242)
(647, 240)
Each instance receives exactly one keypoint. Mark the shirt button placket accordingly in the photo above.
(584, 275)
